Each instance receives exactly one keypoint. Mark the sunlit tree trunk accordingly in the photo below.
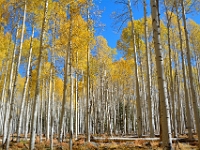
(71, 91)
(165, 117)
(10, 87)
(37, 92)
(193, 94)
(42, 106)
(76, 99)
(28, 74)
(171, 87)
(187, 103)
(67, 55)
(48, 105)
(149, 100)
(12, 94)
(52, 97)
(2, 103)
(88, 85)
(139, 111)
(27, 119)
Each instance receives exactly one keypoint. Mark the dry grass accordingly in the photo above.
(184, 146)
(113, 145)
(138, 143)
(80, 144)
(20, 145)
(40, 146)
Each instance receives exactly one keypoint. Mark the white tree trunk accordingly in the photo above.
(67, 61)
(174, 120)
(165, 116)
(12, 95)
(139, 111)
(71, 103)
(187, 103)
(76, 100)
(28, 74)
(27, 120)
(37, 92)
(9, 91)
(194, 97)
(64, 98)
(88, 85)
(148, 66)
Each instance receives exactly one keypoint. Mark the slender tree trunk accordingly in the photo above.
(165, 118)
(76, 99)
(2, 103)
(42, 106)
(71, 87)
(148, 66)
(28, 74)
(71, 103)
(187, 103)
(139, 111)
(48, 111)
(88, 86)
(9, 91)
(194, 97)
(64, 98)
(39, 65)
(52, 102)
(11, 97)
(52, 79)
(27, 120)
(171, 78)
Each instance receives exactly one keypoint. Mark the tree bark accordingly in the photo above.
(194, 97)
(88, 85)
(187, 103)
(165, 117)
(148, 66)
(28, 74)
(12, 95)
(139, 111)
(37, 92)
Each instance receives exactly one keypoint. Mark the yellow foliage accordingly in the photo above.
(58, 87)
(20, 84)
(122, 70)
(194, 35)
(26, 48)
(5, 47)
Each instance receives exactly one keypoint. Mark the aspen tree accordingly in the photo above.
(169, 15)
(28, 74)
(88, 80)
(76, 100)
(150, 103)
(165, 118)
(64, 95)
(10, 87)
(4, 78)
(39, 65)
(139, 111)
(9, 112)
(66, 73)
(194, 96)
(71, 83)
(52, 93)
(188, 111)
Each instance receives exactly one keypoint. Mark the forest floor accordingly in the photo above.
(105, 143)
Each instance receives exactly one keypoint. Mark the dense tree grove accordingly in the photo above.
(58, 78)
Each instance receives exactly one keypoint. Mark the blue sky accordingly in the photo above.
(108, 6)
(110, 33)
